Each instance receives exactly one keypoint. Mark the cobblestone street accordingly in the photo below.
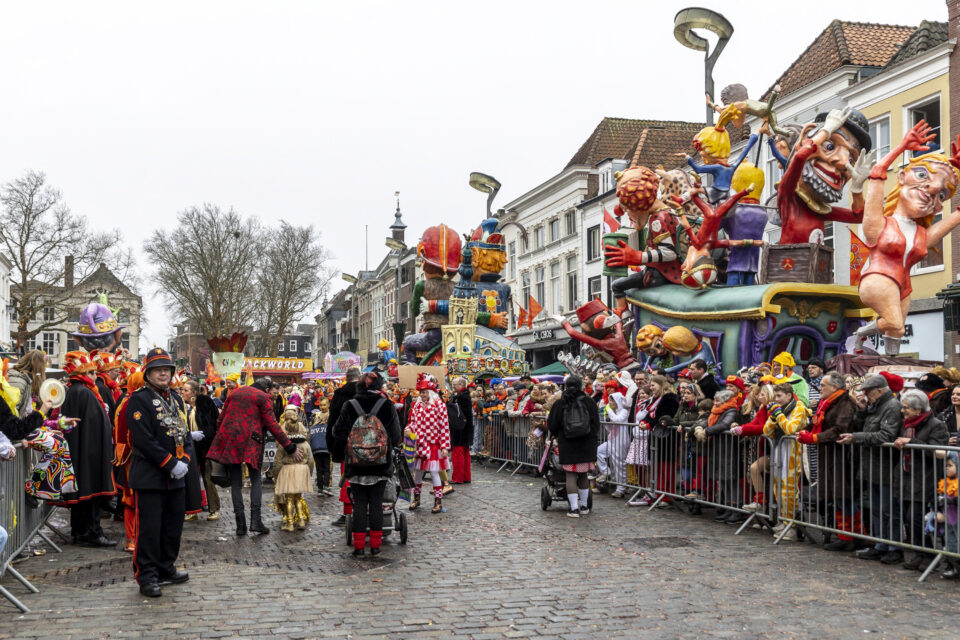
(493, 566)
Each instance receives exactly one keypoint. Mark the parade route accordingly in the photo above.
(493, 566)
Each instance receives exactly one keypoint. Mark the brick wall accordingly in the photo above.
(953, 13)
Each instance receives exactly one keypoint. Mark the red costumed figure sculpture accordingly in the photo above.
(601, 330)
(816, 173)
(637, 191)
(899, 230)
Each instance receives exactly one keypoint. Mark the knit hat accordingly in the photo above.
(894, 381)
(818, 362)
(234, 377)
(786, 359)
(929, 382)
(735, 381)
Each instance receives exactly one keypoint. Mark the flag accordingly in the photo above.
(859, 252)
(522, 318)
(535, 310)
(610, 224)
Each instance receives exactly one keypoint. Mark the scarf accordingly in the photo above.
(910, 431)
(825, 404)
(111, 384)
(88, 382)
(719, 410)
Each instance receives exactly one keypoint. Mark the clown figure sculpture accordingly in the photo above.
(439, 250)
(713, 143)
(746, 223)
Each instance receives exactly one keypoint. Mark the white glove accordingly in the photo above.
(860, 171)
(197, 435)
(836, 119)
(700, 434)
(179, 470)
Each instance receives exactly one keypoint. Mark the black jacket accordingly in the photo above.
(340, 397)
(461, 435)
(206, 416)
(708, 385)
(18, 428)
(917, 477)
(348, 415)
(580, 449)
(154, 445)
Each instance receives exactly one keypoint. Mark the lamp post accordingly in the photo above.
(692, 18)
(399, 247)
(486, 184)
(352, 341)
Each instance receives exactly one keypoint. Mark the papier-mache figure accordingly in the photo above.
(899, 229)
(736, 94)
(386, 354)
(439, 251)
(746, 224)
(713, 143)
(603, 331)
(816, 173)
(674, 349)
(98, 329)
(637, 191)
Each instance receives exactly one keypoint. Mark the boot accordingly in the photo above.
(891, 345)
(376, 540)
(415, 503)
(288, 509)
(303, 513)
(241, 524)
(256, 524)
(861, 334)
(437, 506)
(359, 542)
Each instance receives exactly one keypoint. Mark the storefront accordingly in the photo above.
(543, 343)
(923, 338)
(280, 369)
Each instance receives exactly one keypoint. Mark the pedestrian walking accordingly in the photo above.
(574, 421)
(461, 431)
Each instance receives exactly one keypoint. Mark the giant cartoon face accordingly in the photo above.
(826, 172)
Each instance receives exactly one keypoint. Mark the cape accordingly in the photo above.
(91, 445)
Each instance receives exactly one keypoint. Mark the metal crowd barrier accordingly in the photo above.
(878, 494)
(22, 522)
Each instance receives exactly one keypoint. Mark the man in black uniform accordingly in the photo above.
(162, 449)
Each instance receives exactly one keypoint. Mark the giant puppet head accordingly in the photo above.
(637, 192)
(650, 341)
(439, 250)
(828, 169)
(595, 319)
(98, 328)
(489, 251)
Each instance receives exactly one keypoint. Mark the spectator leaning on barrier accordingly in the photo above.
(759, 397)
(574, 421)
(788, 416)
(815, 369)
(951, 416)
(916, 482)
(724, 453)
(878, 420)
(663, 440)
(834, 417)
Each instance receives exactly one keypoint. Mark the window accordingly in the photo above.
(404, 310)
(280, 347)
(538, 238)
(774, 172)
(593, 287)
(555, 290)
(405, 274)
(306, 347)
(572, 292)
(931, 113)
(934, 258)
(48, 314)
(880, 135)
(828, 233)
(524, 243)
(125, 341)
(593, 243)
(512, 260)
(49, 342)
(525, 280)
(540, 289)
(570, 222)
(554, 230)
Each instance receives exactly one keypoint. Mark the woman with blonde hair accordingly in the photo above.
(758, 398)
(27, 376)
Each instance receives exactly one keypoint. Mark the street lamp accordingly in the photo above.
(486, 184)
(692, 18)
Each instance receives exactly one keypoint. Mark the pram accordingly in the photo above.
(556, 477)
(393, 520)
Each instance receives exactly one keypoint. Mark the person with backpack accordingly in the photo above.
(365, 434)
(574, 421)
(429, 420)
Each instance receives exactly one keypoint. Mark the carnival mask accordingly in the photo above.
(925, 187)
(826, 172)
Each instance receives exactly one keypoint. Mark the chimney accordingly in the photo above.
(953, 17)
(68, 271)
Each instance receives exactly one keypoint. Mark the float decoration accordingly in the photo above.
(227, 353)
(439, 252)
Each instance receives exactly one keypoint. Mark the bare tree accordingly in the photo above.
(39, 232)
(205, 268)
(295, 275)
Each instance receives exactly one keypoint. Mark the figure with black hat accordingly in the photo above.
(821, 164)
(162, 450)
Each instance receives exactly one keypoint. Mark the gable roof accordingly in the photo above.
(652, 142)
(843, 43)
(104, 275)
(927, 36)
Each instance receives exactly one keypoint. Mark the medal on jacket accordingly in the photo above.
(174, 422)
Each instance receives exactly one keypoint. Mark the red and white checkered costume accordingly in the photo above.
(432, 426)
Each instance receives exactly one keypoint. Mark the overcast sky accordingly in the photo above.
(316, 112)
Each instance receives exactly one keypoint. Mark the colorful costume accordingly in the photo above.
(429, 420)
(787, 464)
(890, 256)
(53, 474)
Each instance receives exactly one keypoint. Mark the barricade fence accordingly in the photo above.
(873, 494)
(21, 521)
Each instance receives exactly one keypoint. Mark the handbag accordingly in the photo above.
(218, 474)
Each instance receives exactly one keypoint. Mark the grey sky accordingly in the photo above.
(318, 111)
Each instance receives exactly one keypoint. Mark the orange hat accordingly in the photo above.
(735, 381)
(106, 361)
(134, 381)
(78, 362)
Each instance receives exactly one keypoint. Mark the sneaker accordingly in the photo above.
(601, 478)
(573, 513)
(846, 546)
(214, 516)
(753, 506)
(642, 502)
(584, 511)
(693, 495)
(190, 518)
(328, 493)
(870, 553)
(617, 494)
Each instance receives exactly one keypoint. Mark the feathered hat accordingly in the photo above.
(426, 382)
(79, 362)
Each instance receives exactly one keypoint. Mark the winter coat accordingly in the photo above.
(916, 477)
(301, 439)
(835, 461)
(661, 418)
(341, 431)
(723, 449)
(580, 449)
(340, 398)
(461, 436)
(879, 423)
(90, 443)
(205, 414)
(21, 381)
(246, 415)
(708, 385)
(17, 428)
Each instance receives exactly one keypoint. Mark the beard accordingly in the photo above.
(823, 191)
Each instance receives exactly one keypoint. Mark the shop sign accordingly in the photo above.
(280, 365)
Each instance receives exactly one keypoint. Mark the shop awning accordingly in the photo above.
(557, 368)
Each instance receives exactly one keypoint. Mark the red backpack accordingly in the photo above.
(367, 444)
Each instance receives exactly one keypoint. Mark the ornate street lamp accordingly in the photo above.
(486, 184)
(692, 18)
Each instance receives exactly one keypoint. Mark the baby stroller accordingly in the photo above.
(556, 477)
(393, 520)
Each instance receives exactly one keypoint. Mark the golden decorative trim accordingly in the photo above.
(802, 310)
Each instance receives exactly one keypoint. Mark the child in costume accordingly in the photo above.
(293, 478)
(319, 447)
(787, 416)
(430, 422)
(948, 514)
(53, 475)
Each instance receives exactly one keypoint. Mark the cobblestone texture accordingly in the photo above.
(493, 566)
